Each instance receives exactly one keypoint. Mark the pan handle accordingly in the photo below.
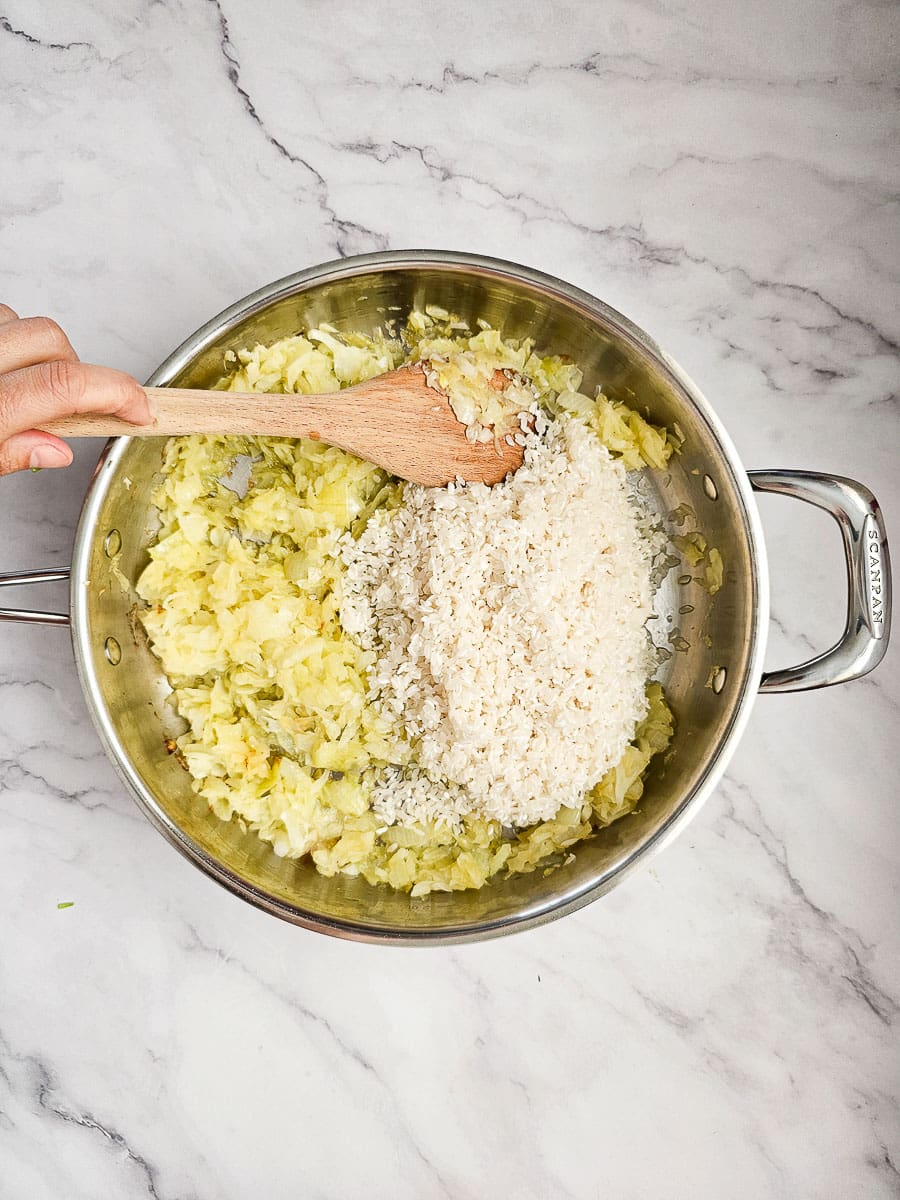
(863, 644)
(23, 579)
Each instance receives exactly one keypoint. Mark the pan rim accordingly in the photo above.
(568, 900)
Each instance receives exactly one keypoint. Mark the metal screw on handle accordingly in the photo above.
(863, 644)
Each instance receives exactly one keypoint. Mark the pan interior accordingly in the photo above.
(706, 679)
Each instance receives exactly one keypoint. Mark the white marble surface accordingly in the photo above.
(723, 1024)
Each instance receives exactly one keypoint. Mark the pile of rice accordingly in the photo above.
(508, 631)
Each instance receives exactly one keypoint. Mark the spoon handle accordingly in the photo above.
(191, 410)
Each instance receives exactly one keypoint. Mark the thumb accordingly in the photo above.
(33, 449)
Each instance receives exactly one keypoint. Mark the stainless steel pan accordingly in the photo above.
(713, 675)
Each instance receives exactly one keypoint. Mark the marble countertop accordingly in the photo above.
(724, 1023)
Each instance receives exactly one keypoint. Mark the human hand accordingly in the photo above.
(42, 379)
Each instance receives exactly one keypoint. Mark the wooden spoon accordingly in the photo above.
(396, 421)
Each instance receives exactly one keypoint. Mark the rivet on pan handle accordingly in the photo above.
(24, 579)
(863, 644)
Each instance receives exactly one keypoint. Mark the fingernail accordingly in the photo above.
(48, 456)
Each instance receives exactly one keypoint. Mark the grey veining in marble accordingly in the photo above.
(724, 1024)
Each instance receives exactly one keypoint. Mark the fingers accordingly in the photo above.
(33, 449)
(42, 380)
(30, 341)
(34, 395)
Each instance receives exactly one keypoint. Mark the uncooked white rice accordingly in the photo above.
(509, 626)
